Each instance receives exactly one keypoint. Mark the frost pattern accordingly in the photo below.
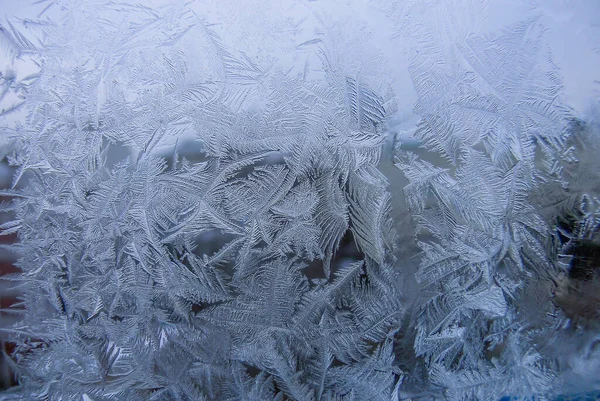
(197, 223)
(182, 212)
(492, 131)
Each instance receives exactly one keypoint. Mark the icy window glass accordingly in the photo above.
(299, 200)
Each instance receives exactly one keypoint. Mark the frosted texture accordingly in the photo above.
(301, 200)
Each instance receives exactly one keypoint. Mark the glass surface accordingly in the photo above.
(300, 200)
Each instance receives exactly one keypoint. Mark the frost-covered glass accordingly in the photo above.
(300, 200)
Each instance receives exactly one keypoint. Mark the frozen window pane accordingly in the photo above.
(300, 200)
